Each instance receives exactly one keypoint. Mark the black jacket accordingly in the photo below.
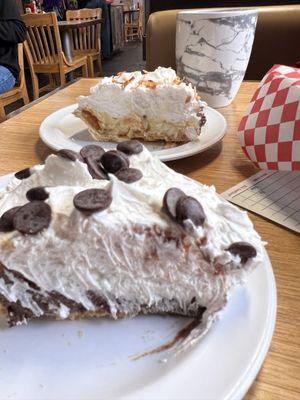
(12, 32)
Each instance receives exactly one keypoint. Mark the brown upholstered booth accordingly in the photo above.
(277, 39)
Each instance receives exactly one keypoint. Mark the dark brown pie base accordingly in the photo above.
(50, 302)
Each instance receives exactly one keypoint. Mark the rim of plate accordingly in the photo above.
(173, 153)
(243, 384)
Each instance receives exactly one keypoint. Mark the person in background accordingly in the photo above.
(12, 32)
(105, 26)
(71, 4)
(57, 6)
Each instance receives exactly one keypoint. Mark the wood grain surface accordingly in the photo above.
(224, 165)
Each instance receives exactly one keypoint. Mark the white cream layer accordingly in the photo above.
(103, 252)
(169, 102)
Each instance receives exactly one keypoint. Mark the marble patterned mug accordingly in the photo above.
(213, 48)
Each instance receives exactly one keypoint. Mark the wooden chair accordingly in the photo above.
(135, 28)
(87, 40)
(44, 51)
(19, 91)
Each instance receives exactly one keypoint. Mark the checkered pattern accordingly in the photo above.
(269, 133)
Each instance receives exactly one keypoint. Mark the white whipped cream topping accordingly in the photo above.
(105, 253)
(169, 101)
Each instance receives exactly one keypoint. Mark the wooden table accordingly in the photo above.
(223, 165)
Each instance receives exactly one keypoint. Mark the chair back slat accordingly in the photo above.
(75, 38)
(80, 40)
(93, 34)
(35, 44)
(21, 80)
(43, 38)
(29, 55)
(45, 41)
(31, 43)
(86, 39)
(37, 33)
(53, 52)
(88, 36)
(141, 17)
(84, 36)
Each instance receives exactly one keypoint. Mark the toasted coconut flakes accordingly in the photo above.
(198, 97)
(149, 84)
(128, 81)
(177, 80)
(116, 81)
(188, 99)
(120, 73)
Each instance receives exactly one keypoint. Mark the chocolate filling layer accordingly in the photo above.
(49, 303)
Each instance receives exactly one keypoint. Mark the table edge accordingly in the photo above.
(78, 24)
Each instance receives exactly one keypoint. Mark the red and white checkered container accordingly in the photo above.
(269, 133)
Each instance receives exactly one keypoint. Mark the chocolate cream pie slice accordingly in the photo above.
(151, 106)
(118, 234)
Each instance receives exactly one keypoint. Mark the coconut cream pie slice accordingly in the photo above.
(118, 234)
(151, 106)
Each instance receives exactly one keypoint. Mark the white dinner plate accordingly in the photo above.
(93, 359)
(62, 130)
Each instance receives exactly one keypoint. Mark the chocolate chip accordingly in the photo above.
(6, 220)
(92, 200)
(113, 160)
(33, 217)
(189, 208)
(92, 151)
(129, 175)
(37, 193)
(170, 200)
(203, 120)
(69, 154)
(95, 169)
(23, 174)
(242, 249)
(130, 147)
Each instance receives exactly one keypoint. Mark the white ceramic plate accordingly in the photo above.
(92, 359)
(62, 130)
